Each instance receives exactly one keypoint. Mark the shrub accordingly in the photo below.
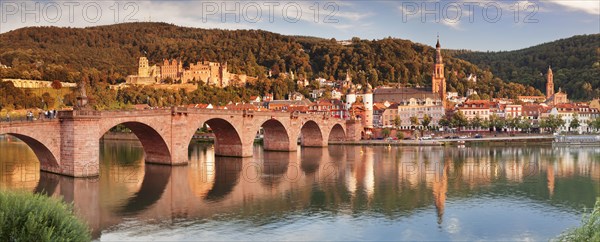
(33, 217)
(589, 230)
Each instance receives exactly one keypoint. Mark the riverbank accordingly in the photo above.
(529, 140)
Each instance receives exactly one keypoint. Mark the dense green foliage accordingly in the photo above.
(109, 53)
(15, 98)
(35, 217)
(588, 231)
(575, 63)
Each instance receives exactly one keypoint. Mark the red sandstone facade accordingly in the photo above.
(70, 145)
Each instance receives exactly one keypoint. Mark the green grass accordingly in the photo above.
(588, 231)
(33, 217)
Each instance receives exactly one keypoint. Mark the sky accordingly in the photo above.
(461, 24)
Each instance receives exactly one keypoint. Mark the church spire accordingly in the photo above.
(438, 82)
(438, 50)
(549, 83)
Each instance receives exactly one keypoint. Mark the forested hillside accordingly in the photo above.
(109, 53)
(575, 63)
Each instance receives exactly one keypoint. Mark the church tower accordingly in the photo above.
(438, 81)
(549, 83)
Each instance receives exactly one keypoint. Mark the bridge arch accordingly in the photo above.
(276, 137)
(228, 141)
(337, 133)
(311, 135)
(154, 144)
(48, 160)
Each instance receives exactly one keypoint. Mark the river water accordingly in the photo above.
(333, 193)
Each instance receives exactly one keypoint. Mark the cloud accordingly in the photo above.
(203, 14)
(587, 6)
(452, 24)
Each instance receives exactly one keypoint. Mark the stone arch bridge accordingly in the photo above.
(69, 145)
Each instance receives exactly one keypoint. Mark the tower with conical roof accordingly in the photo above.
(549, 83)
(438, 81)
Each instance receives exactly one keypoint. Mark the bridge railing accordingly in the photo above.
(25, 119)
(165, 111)
(247, 113)
(79, 113)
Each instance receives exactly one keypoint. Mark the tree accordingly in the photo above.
(426, 121)
(476, 122)
(496, 123)
(57, 85)
(399, 135)
(414, 121)
(444, 121)
(386, 132)
(459, 120)
(574, 123)
(596, 123)
(525, 125)
(397, 122)
(552, 122)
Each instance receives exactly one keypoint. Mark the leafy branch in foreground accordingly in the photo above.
(589, 230)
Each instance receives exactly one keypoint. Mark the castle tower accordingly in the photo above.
(438, 81)
(143, 68)
(549, 83)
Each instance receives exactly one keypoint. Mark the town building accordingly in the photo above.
(531, 99)
(367, 102)
(420, 108)
(513, 110)
(477, 108)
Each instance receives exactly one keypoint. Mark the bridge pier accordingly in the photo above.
(79, 145)
(229, 149)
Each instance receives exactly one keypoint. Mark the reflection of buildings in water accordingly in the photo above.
(369, 176)
(201, 172)
(550, 178)
(353, 154)
(420, 165)
(440, 188)
(580, 161)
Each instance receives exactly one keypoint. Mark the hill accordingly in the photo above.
(109, 53)
(575, 63)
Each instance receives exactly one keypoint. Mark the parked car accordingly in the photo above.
(478, 136)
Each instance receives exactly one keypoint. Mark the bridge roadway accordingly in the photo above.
(69, 145)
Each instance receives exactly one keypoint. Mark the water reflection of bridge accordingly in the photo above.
(365, 178)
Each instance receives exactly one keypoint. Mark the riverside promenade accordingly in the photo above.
(538, 139)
